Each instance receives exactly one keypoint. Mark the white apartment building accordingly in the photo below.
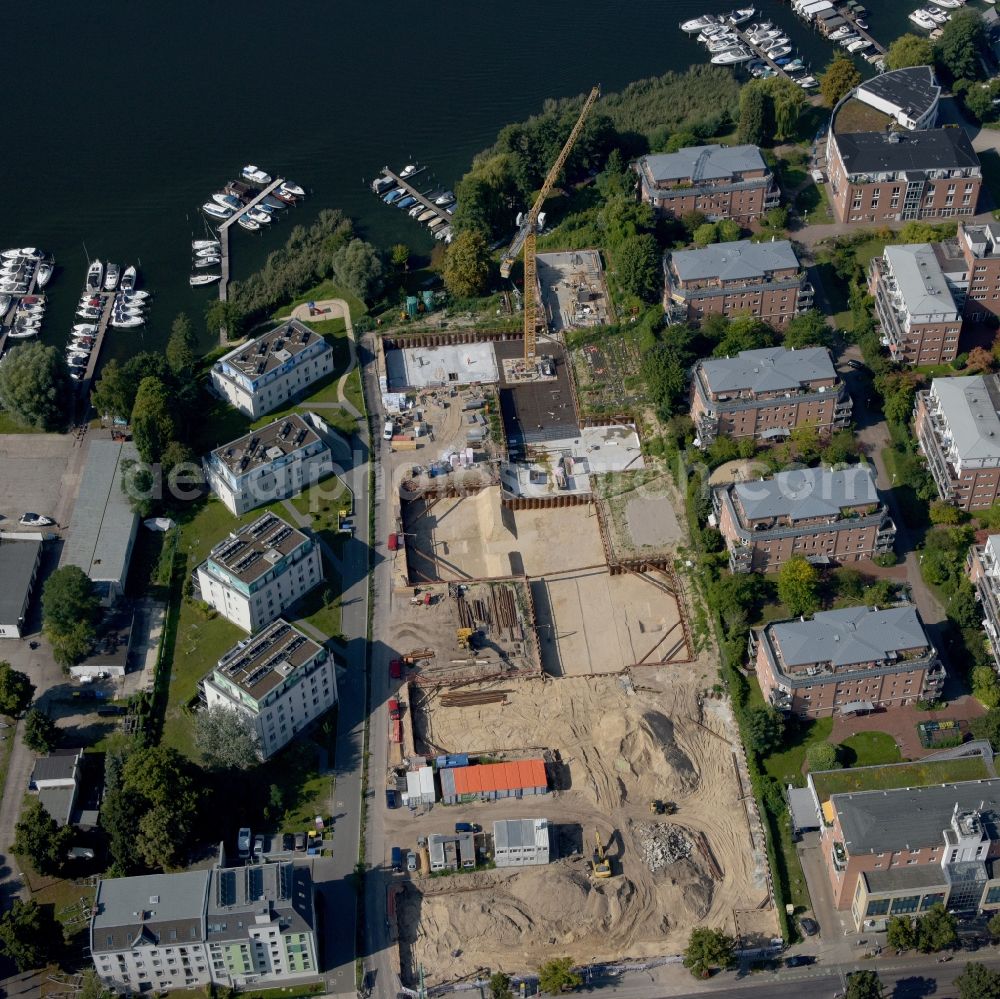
(280, 680)
(269, 464)
(258, 571)
(265, 373)
(521, 842)
(235, 926)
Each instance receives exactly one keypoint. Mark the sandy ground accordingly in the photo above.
(616, 750)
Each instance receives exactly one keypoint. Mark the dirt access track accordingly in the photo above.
(616, 748)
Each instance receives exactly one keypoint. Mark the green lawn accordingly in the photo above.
(352, 390)
(787, 765)
(870, 749)
(324, 291)
(899, 775)
(8, 425)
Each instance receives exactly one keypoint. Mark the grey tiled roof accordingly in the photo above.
(771, 369)
(739, 260)
(804, 493)
(920, 280)
(849, 635)
(699, 163)
(970, 407)
(17, 569)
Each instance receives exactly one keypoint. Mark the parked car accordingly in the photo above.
(287, 842)
(396, 669)
(35, 520)
(390, 797)
(411, 861)
(258, 844)
(857, 365)
(397, 859)
(799, 960)
(809, 926)
(461, 827)
(388, 430)
(80, 853)
(243, 841)
(300, 842)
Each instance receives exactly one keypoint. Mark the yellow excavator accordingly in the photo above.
(601, 865)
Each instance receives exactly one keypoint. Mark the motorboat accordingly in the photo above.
(16, 333)
(857, 46)
(441, 233)
(807, 82)
(923, 20)
(255, 175)
(5, 301)
(227, 201)
(259, 216)
(379, 185)
(216, 211)
(128, 278)
(781, 50)
(406, 202)
(394, 195)
(937, 15)
(697, 24)
(94, 275)
(32, 252)
(287, 187)
(248, 223)
(199, 279)
(261, 207)
(408, 170)
(794, 66)
(212, 251)
(126, 324)
(763, 32)
(732, 57)
(949, 4)
(77, 355)
(848, 39)
(42, 275)
(207, 262)
(284, 197)
(91, 301)
(712, 32)
(427, 215)
(273, 204)
(204, 244)
(451, 209)
(864, 24)
(741, 16)
(723, 43)
(445, 199)
(111, 275)
(87, 313)
(417, 209)
(843, 30)
(10, 254)
(83, 341)
(436, 224)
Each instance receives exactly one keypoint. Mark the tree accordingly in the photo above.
(557, 976)
(809, 329)
(638, 267)
(987, 727)
(900, 933)
(35, 385)
(224, 315)
(665, 375)
(728, 229)
(798, 587)
(400, 255)
(841, 77)
(753, 124)
(92, 987)
(500, 986)
(467, 265)
(70, 608)
(226, 739)
(153, 426)
(863, 985)
(961, 41)
(705, 234)
(744, 332)
(978, 102)
(40, 732)
(841, 447)
(910, 50)
(358, 267)
(980, 360)
(30, 935)
(40, 838)
(16, 691)
(822, 756)
(181, 346)
(937, 929)
(765, 730)
(708, 949)
(994, 926)
(978, 982)
(945, 513)
(69, 647)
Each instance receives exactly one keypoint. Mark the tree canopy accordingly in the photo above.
(638, 267)
(708, 949)
(70, 608)
(181, 346)
(16, 691)
(840, 77)
(765, 730)
(822, 756)
(40, 838)
(798, 587)
(978, 982)
(557, 976)
(467, 264)
(30, 935)
(863, 985)
(153, 426)
(358, 267)
(41, 733)
(226, 739)
(962, 39)
(910, 50)
(35, 385)
(808, 329)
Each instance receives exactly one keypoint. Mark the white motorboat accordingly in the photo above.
(31, 251)
(780, 52)
(94, 275)
(741, 16)
(126, 324)
(228, 201)
(129, 296)
(417, 209)
(43, 274)
(807, 82)
(436, 224)
(21, 334)
(10, 254)
(87, 313)
(408, 170)
(773, 43)
(253, 173)
(382, 184)
(922, 20)
(85, 328)
(76, 355)
(204, 244)
(427, 215)
(732, 57)
(197, 279)
(207, 262)
(937, 15)
(248, 223)
(858, 45)
(293, 189)
(128, 278)
(712, 32)
(259, 216)
(111, 275)
(697, 24)
(208, 251)
(85, 342)
(444, 199)
(722, 44)
(835, 36)
(216, 211)
(949, 4)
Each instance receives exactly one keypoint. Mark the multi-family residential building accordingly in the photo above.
(721, 182)
(886, 163)
(269, 464)
(765, 394)
(980, 248)
(846, 660)
(232, 926)
(983, 566)
(958, 429)
(259, 571)
(900, 851)
(520, 842)
(920, 319)
(763, 279)
(280, 680)
(265, 373)
(819, 514)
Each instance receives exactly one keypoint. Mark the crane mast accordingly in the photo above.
(525, 238)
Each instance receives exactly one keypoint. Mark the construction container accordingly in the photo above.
(452, 760)
(404, 444)
(411, 306)
(428, 297)
(488, 782)
(393, 542)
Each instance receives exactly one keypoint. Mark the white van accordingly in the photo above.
(388, 430)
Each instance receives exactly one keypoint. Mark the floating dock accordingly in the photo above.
(440, 211)
(224, 235)
(7, 319)
(108, 298)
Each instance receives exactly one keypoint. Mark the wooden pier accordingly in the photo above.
(762, 55)
(850, 17)
(224, 234)
(7, 318)
(439, 210)
(108, 297)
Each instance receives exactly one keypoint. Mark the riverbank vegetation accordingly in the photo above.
(35, 387)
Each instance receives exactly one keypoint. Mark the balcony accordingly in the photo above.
(885, 537)
(839, 856)
(740, 558)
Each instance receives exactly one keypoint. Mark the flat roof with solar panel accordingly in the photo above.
(252, 551)
(283, 437)
(257, 665)
(257, 358)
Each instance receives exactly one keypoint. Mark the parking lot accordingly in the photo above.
(39, 473)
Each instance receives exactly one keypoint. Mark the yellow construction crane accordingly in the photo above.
(601, 864)
(526, 236)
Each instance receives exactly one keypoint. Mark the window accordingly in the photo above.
(877, 907)
(906, 904)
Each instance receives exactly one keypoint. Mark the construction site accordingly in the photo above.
(572, 289)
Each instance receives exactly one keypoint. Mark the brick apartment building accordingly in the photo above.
(846, 660)
(765, 394)
(920, 320)
(722, 182)
(819, 514)
(958, 429)
(983, 567)
(764, 279)
(979, 246)
(885, 161)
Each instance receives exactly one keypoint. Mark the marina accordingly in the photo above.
(399, 187)
(23, 273)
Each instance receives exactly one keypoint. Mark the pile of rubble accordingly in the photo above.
(662, 844)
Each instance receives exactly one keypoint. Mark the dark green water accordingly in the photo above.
(132, 114)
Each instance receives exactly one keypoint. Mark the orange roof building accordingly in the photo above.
(489, 781)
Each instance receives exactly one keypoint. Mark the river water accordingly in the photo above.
(130, 115)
